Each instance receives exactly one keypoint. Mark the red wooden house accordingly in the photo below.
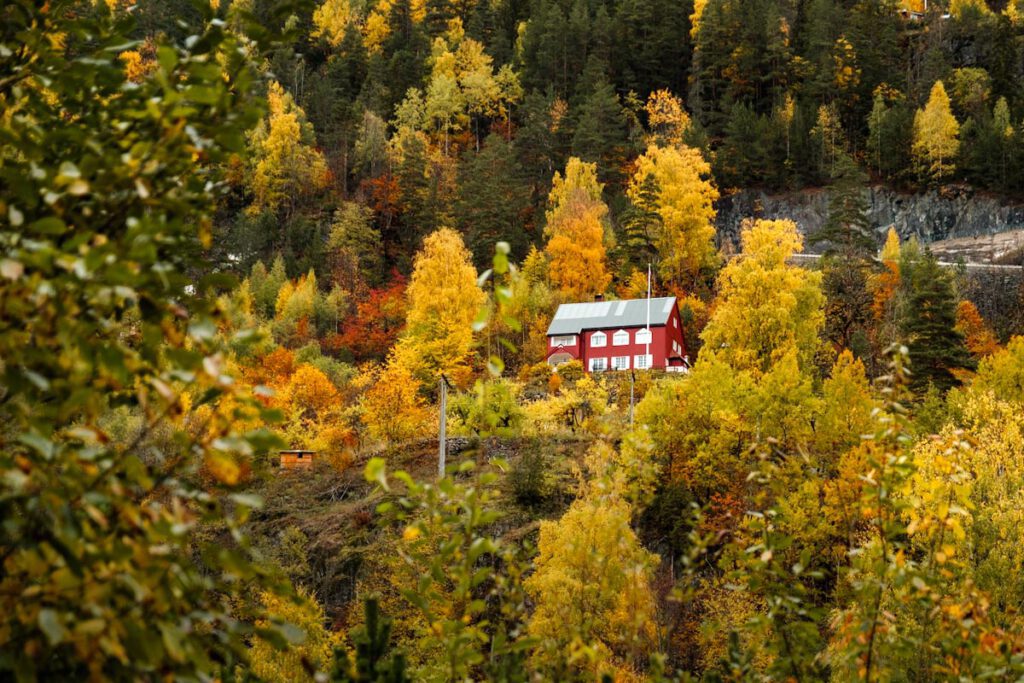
(633, 334)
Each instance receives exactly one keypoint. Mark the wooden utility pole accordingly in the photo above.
(442, 438)
(632, 380)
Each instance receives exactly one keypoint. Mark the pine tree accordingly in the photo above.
(546, 51)
(652, 46)
(403, 53)
(371, 662)
(888, 144)
(601, 127)
(642, 224)
(423, 210)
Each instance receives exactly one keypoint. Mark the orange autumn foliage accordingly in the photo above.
(311, 393)
(981, 341)
(277, 366)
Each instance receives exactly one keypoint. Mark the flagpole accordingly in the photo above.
(647, 350)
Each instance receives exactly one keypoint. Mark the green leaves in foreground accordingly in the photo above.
(107, 189)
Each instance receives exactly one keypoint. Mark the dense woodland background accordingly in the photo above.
(228, 228)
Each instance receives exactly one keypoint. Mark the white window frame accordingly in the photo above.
(674, 323)
(643, 361)
(643, 336)
(598, 339)
(620, 362)
(561, 340)
(594, 362)
(620, 338)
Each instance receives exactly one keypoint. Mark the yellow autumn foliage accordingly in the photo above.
(968, 497)
(592, 590)
(444, 300)
(286, 164)
(330, 21)
(315, 652)
(936, 135)
(766, 307)
(392, 408)
(685, 204)
(666, 118)
(576, 233)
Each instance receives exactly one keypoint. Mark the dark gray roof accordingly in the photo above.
(574, 318)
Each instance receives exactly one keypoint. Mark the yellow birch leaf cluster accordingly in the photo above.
(766, 307)
(330, 21)
(592, 589)
(286, 164)
(444, 300)
(575, 228)
(685, 203)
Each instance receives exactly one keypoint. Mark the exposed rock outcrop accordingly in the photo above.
(949, 212)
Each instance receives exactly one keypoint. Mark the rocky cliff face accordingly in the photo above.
(949, 212)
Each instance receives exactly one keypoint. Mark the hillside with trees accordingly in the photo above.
(234, 228)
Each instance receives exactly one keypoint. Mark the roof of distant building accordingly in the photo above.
(602, 315)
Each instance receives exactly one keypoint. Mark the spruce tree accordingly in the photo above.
(405, 51)
(928, 321)
(601, 125)
(492, 201)
(847, 229)
(641, 224)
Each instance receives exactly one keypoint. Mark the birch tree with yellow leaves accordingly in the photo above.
(330, 21)
(591, 586)
(444, 300)
(766, 307)
(286, 166)
(576, 232)
(684, 202)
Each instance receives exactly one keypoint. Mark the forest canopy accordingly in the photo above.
(258, 256)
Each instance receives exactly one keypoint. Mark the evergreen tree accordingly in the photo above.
(888, 143)
(847, 229)
(642, 224)
(438, 14)
(492, 201)
(537, 146)
(545, 52)
(404, 52)
(652, 45)
(422, 209)
(601, 125)
(928, 323)
(741, 158)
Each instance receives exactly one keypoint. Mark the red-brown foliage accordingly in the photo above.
(378, 320)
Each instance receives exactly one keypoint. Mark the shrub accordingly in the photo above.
(528, 480)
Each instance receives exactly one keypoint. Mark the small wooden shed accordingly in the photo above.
(297, 459)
